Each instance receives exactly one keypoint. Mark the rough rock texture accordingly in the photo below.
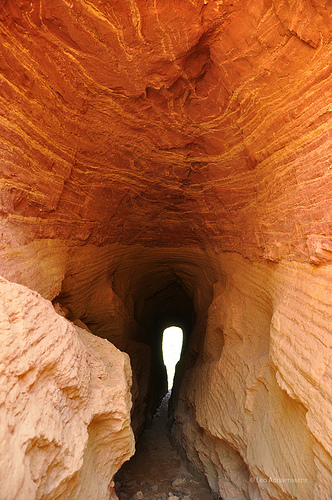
(262, 387)
(65, 404)
(108, 287)
(157, 122)
(170, 162)
(257, 364)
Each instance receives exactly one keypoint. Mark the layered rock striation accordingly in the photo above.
(141, 121)
(261, 427)
(166, 163)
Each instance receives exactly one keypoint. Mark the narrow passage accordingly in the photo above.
(156, 472)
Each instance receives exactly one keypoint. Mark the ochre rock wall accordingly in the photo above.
(65, 404)
(159, 122)
(146, 144)
(254, 412)
(253, 407)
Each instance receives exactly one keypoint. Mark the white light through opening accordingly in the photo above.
(172, 346)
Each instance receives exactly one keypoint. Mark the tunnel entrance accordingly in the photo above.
(131, 299)
(171, 347)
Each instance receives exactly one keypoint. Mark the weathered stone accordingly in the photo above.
(178, 482)
(262, 398)
(65, 403)
(207, 122)
(165, 160)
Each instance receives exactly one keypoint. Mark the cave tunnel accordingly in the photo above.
(171, 304)
(130, 296)
(131, 300)
(166, 163)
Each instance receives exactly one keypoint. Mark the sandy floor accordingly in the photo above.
(156, 471)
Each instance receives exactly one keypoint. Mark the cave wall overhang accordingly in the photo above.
(207, 128)
(133, 137)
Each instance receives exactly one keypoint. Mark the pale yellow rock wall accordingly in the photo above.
(255, 411)
(64, 404)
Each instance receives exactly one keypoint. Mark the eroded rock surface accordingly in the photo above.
(65, 404)
(255, 413)
(159, 122)
(171, 161)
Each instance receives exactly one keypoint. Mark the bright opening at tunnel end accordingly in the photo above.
(172, 346)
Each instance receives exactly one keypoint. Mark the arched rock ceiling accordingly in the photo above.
(203, 122)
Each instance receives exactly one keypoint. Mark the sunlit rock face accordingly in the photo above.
(262, 384)
(65, 404)
(171, 161)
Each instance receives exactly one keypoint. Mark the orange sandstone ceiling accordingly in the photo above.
(168, 123)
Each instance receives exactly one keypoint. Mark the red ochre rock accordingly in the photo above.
(204, 123)
(153, 144)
